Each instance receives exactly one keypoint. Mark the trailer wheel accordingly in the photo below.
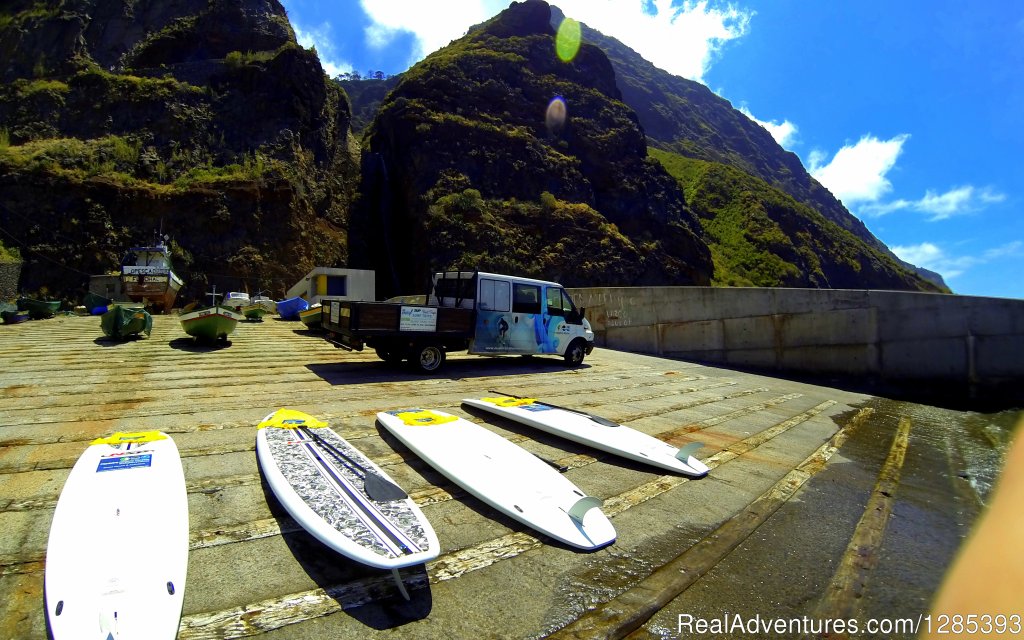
(427, 358)
(575, 353)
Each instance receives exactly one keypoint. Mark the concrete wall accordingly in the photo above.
(9, 274)
(890, 334)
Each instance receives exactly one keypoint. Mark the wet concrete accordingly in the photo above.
(252, 571)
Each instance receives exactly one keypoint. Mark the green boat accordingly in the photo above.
(211, 323)
(39, 309)
(121, 323)
(254, 311)
(96, 304)
(312, 316)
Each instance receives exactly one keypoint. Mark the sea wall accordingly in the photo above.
(892, 335)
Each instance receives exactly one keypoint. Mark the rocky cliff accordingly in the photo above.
(687, 118)
(203, 119)
(493, 153)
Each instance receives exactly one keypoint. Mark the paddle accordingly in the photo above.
(598, 419)
(377, 488)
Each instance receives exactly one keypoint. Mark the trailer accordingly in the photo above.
(483, 313)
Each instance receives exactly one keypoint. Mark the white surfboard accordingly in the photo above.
(596, 432)
(341, 497)
(503, 475)
(118, 549)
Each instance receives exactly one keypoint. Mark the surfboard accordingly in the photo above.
(117, 553)
(340, 496)
(502, 475)
(595, 431)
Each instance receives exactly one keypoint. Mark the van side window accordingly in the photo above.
(558, 302)
(494, 295)
(525, 298)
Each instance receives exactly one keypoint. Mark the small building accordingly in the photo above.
(107, 286)
(336, 284)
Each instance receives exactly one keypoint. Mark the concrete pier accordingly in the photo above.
(976, 344)
(796, 471)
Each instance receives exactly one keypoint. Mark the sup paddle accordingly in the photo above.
(377, 488)
(598, 419)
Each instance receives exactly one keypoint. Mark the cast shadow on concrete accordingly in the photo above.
(364, 593)
(198, 346)
(453, 369)
(943, 394)
(107, 341)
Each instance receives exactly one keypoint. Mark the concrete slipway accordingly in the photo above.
(805, 479)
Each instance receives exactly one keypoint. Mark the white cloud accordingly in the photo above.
(932, 256)
(1010, 249)
(857, 173)
(432, 24)
(784, 132)
(941, 206)
(320, 37)
(682, 40)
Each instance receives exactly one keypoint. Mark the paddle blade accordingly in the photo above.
(381, 490)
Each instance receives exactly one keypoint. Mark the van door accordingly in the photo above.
(558, 319)
(493, 317)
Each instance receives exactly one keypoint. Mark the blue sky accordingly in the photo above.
(911, 112)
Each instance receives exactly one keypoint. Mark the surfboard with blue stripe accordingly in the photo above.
(321, 480)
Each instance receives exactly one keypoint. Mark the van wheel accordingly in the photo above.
(575, 353)
(427, 358)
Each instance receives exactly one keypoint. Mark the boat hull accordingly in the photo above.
(156, 287)
(214, 323)
(121, 323)
(254, 312)
(289, 309)
(311, 317)
(14, 317)
(39, 309)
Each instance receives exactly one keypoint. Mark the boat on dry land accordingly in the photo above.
(147, 276)
(39, 309)
(208, 324)
(121, 322)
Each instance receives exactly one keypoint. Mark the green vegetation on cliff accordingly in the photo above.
(202, 118)
(760, 236)
(497, 113)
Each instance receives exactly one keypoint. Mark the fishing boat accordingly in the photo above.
(215, 322)
(235, 300)
(10, 313)
(311, 316)
(39, 309)
(96, 304)
(121, 322)
(269, 305)
(253, 312)
(147, 276)
(289, 309)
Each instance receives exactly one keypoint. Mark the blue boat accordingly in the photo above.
(289, 309)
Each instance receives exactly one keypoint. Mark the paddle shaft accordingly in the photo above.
(373, 483)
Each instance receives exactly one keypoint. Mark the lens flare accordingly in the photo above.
(556, 115)
(567, 40)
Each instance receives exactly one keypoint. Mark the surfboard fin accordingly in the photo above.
(398, 582)
(685, 452)
(582, 506)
